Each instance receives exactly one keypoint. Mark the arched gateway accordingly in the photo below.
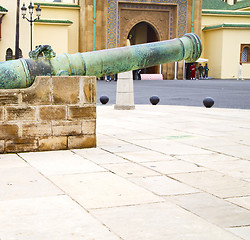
(116, 19)
(144, 32)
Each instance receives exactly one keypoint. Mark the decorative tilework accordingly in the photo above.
(113, 18)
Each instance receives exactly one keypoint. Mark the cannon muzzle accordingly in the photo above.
(21, 73)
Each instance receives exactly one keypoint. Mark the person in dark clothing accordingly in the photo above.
(206, 69)
(108, 78)
(200, 69)
(139, 74)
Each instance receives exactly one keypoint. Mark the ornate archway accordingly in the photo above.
(133, 25)
(162, 19)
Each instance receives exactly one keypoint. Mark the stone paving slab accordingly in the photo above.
(56, 217)
(166, 221)
(102, 190)
(164, 186)
(145, 156)
(100, 158)
(158, 172)
(243, 202)
(216, 210)
(60, 162)
(24, 182)
(11, 161)
(215, 183)
(174, 166)
(243, 232)
(128, 170)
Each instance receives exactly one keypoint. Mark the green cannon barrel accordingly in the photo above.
(21, 73)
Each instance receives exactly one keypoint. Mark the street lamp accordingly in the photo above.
(31, 20)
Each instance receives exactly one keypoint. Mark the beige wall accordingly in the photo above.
(9, 30)
(213, 52)
(59, 41)
(222, 46)
(231, 53)
(210, 20)
(64, 38)
(61, 13)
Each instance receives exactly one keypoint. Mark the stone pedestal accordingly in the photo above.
(125, 92)
(54, 113)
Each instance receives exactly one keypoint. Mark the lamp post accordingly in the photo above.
(17, 30)
(31, 20)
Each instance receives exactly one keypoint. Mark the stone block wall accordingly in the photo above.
(54, 113)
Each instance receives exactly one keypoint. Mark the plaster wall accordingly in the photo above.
(9, 30)
(53, 35)
(213, 52)
(62, 13)
(226, 42)
(63, 1)
(232, 39)
(204, 48)
(59, 42)
(222, 49)
(210, 20)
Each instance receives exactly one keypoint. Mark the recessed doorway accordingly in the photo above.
(143, 32)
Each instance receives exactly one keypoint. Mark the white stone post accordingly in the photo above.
(175, 70)
(125, 92)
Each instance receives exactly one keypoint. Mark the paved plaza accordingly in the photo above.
(159, 172)
(226, 93)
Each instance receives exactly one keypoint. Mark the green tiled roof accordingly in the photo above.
(54, 21)
(2, 9)
(220, 5)
(222, 12)
(227, 25)
(58, 5)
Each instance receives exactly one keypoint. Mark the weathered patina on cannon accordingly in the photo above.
(21, 73)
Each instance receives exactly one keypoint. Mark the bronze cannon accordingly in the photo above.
(21, 73)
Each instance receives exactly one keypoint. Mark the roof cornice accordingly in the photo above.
(57, 5)
(224, 12)
(227, 25)
(2, 9)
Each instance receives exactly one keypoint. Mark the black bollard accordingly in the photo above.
(154, 100)
(104, 99)
(208, 102)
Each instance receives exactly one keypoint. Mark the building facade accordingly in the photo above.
(226, 37)
(85, 25)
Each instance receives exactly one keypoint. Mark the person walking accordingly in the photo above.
(206, 69)
(240, 73)
(200, 69)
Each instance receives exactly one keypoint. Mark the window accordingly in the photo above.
(20, 53)
(245, 53)
(9, 54)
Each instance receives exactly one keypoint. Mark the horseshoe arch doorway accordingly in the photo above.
(144, 32)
